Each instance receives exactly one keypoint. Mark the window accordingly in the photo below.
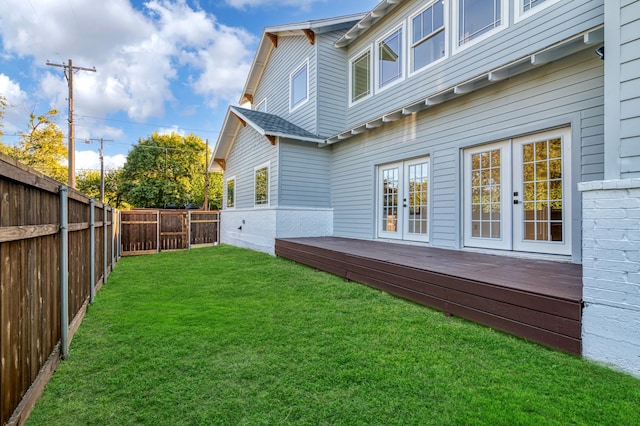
(524, 8)
(527, 5)
(262, 106)
(478, 18)
(299, 85)
(261, 185)
(360, 73)
(231, 192)
(390, 58)
(428, 36)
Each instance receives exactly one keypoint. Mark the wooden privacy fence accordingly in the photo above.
(152, 231)
(56, 250)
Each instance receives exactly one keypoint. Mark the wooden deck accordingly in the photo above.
(534, 299)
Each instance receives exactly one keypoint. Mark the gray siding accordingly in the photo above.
(332, 85)
(630, 89)
(556, 23)
(569, 91)
(291, 52)
(304, 175)
(251, 150)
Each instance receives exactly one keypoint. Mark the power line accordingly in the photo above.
(147, 124)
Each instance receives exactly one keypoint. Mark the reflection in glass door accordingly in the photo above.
(403, 200)
(516, 194)
(541, 181)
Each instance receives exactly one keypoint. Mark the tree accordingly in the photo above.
(41, 146)
(165, 171)
(88, 183)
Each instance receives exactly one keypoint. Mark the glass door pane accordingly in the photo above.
(541, 177)
(487, 210)
(417, 200)
(389, 198)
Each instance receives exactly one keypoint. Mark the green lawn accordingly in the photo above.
(223, 335)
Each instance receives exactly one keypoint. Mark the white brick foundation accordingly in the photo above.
(260, 227)
(611, 273)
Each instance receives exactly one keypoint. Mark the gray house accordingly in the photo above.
(492, 126)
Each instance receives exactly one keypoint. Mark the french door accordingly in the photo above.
(403, 200)
(517, 194)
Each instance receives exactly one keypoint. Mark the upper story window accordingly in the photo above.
(390, 59)
(478, 18)
(428, 36)
(360, 76)
(524, 8)
(299, 85)
(231, 192)
(262, 106)
(261, 185)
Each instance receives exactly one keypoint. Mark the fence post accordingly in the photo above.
(92, 251)
(64, 272)
(119, 234)
(104, 241)
(113, 238)
(158, 231)
(189, 231)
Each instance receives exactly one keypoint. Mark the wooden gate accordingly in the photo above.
(174, 230)
(151, 231)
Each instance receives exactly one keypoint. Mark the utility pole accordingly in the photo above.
(206, 178)
(68, 73)
(102, 141)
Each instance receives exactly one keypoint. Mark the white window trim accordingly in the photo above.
(410, 45)
(371, 79)
(259, 104)
(266, 165)
(226, 193)
(504, 19)
(520, 15)
(403, 62)
(306, 99)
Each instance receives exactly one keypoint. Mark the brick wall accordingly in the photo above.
(611, 272)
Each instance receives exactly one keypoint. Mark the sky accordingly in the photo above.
(161, 65)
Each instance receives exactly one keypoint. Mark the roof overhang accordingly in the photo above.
(269, 41)
(565, 48)
(380, 11)
(234, 120)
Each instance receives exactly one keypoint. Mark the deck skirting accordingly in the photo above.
(501, 294)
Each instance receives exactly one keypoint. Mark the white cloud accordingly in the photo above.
(137, 54)
(16, 101)
(90, 160)
(301, 4)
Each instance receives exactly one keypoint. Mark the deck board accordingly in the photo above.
(535, 299)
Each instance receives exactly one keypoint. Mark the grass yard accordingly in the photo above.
(228, 336)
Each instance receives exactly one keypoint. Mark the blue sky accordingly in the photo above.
(162, 65)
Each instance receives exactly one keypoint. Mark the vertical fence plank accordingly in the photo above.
(47, 272)
(64, 272)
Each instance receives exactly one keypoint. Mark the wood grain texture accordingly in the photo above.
(537, 300)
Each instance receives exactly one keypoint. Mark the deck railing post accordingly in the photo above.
(64, 272)
(105, 245)
(92, 251)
